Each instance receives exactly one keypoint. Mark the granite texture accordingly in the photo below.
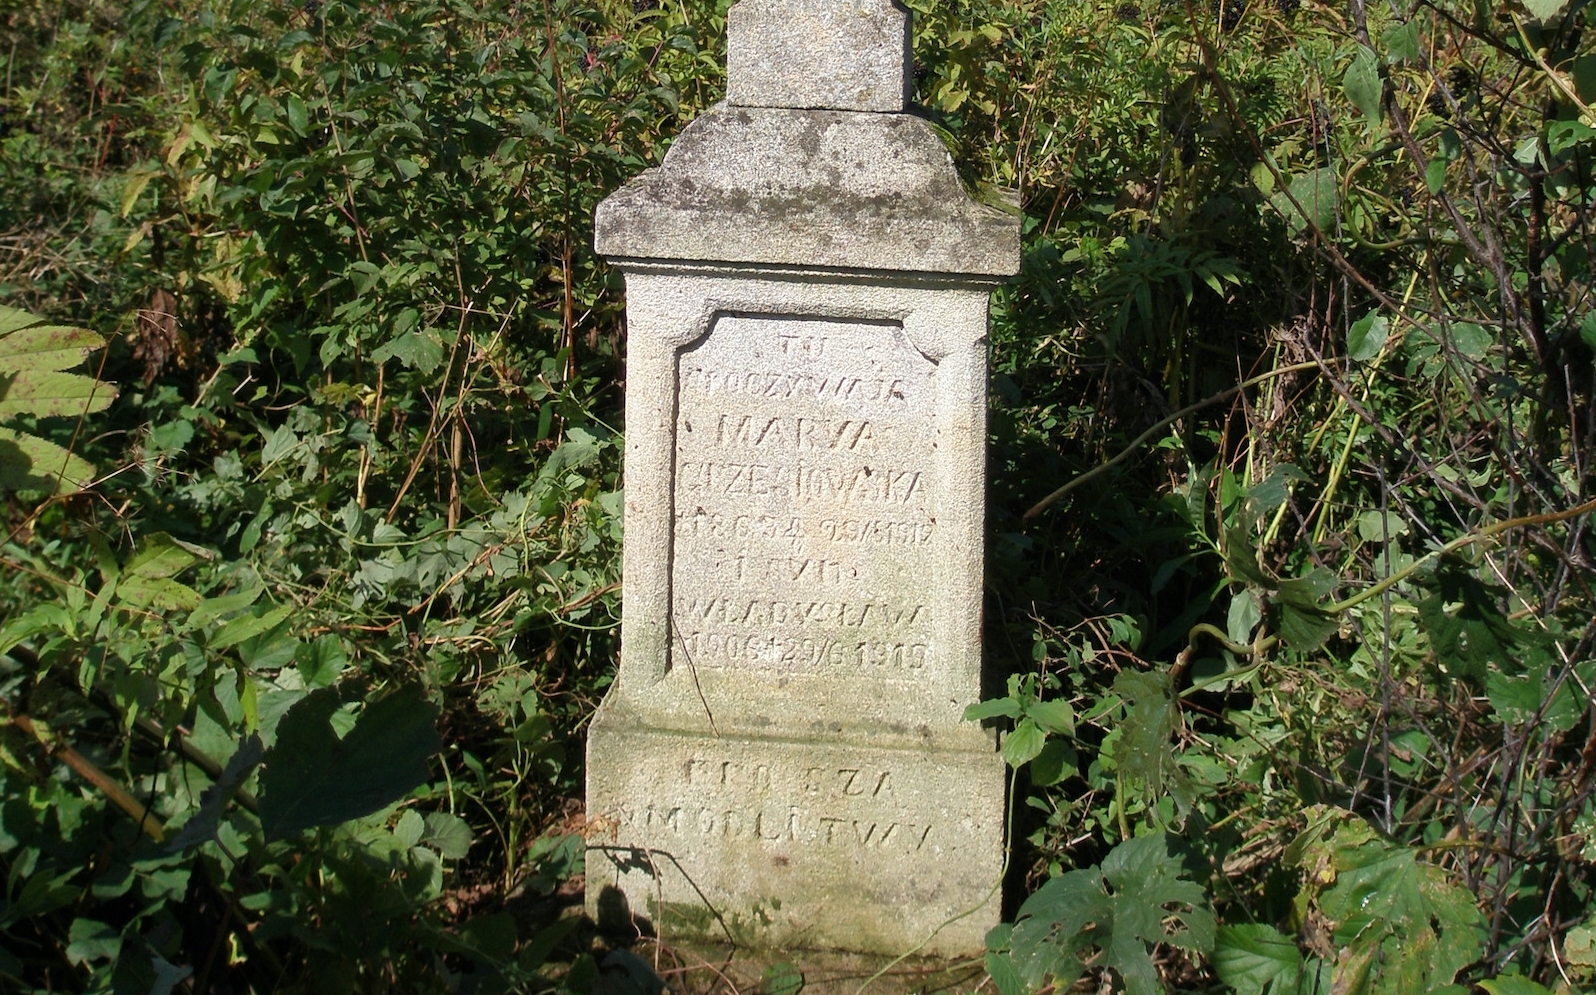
(782, 761)
(794, 843)
(832, 189)
(849, 55)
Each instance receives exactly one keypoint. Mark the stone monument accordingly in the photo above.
(782, 761)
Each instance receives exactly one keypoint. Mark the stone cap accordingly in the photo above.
(847, 55)
(812, 189)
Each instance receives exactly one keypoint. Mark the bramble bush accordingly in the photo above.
(1289, 606)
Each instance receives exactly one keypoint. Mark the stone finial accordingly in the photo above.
(846, 55)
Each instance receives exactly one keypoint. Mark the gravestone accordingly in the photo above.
(782, 760)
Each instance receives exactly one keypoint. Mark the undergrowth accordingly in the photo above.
(1290, 571)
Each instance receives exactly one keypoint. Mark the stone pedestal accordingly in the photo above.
(782, 760)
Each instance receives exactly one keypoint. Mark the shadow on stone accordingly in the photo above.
(613, 916)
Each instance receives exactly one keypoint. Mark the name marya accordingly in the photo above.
(765, 431)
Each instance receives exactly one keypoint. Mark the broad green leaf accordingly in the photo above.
(298, 117)
(420, 349)
(201, 826)
(160, 555)
(1024, 743)
(214, 608)
(782, 978)
(1545, 10)
(1514, 984)
(1514, 700)
(1367, 337)
(1152, 715)
(1528, 150)
(1468, 630)
(1005, 977)
(137, 181)
(1056, 761)
(1402, 43)
(161, 593)
(1257, 960)
(31, 345)
(992, 708)
(91, 941)
(1243, 617)
(1362, 82)
(312, 778)
(29, 463)
(1137, 899)
(1579, 945)
(1471, 340)
(1054, 716)
(236, 630)
(49, 394)
(1310, 198)
(1435, 175)
(448, 834)
(1404, 924)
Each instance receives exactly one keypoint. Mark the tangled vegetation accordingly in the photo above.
(311, 574)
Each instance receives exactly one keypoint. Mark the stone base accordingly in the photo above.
(781, 844)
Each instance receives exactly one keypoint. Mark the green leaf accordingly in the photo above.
(1367, 337)
(1256, 959)
(1405, 925)
(201, 826)
(147, 577)
(1152, 715)
(160, 555)
(1243, 616)
(991, 709)
(1024, 743)
(1054, 716)
(1402, 43)
(1471, 340)
(1054, 763)
(1005, 977)
(236, 630)
(1310, 198)
(1362, 82)
(782, 978)
(1435, 175)
(420, 349)
(448, 834)
(90, 941)
(28, 345)
(29, 463)
(298, 117)
(1137, 899)
(1468, 631)
(312, 778)
(49, 394)
(1514, 984)
(1545, 10)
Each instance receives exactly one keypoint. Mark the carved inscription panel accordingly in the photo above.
(804, 489)
(809, 839)
(859, 809)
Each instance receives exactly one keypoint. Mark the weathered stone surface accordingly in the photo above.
(813, 189)
(848, 55)
(804, 516)
(782, 760)
(819, 844)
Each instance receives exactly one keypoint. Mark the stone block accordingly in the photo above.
(782, 761)
(818, 54)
